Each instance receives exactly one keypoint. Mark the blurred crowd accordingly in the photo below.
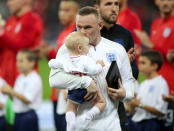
(32, 29)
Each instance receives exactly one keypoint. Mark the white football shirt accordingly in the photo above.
(31, 87)
(150, 93)
(107, 51)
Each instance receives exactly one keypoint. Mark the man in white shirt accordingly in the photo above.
(88, 22)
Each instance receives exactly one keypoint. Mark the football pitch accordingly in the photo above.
(44, 73)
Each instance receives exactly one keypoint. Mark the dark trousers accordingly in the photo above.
(59, 120)
(148, 125)
(2, 124)
(123, 118)
(27, 121)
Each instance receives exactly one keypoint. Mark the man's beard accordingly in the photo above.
(107, 20)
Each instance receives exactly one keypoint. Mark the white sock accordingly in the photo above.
(70, 119)
(92, 113)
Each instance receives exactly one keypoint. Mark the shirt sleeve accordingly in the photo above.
(161, 105)
(55, 63)
(128, 80)
(91, 67)
(62, 80)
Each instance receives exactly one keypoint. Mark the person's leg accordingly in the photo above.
(71, 112)
(62, 122)
(55, 115)
(152, 125)
(3, 124)
(17, 121)
(98, 106)
(29, 122)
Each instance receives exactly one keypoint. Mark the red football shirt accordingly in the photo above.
(162, 36)
(52, 53)
(19, 33)
(128, 19)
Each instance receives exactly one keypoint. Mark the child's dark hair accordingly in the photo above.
(31, 55)
(154, 56)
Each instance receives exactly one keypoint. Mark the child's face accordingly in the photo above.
(145, 66)
(23, 64)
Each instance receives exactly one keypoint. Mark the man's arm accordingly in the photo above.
(127, 87)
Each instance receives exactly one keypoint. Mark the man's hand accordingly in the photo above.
(131, 54)
(144, 38)
(92, 92)
(117, 94)
(170, 56)
(169, 98)
(100, 62)
(6, 89)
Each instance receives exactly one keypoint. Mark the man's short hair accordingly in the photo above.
(154, 56)
(87, 10)
(74, 39)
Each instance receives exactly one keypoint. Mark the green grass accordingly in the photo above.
(44, 73)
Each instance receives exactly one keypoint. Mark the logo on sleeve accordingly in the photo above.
(166, 32)
(110, 57)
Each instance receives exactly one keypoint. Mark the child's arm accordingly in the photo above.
(137, 103)
(55, 63)
(92, 67)
(1, 106)
(6, 89)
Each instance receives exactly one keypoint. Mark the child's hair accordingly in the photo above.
(31, 55)
(154, 56)
(75, 39)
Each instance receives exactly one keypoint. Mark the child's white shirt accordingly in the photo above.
(31, 87)
(150, 93)
(3, 98)
(74, 64)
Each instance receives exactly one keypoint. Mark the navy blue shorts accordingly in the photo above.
(27, 121)
(147, 125)
(77, 96)
(2, 124)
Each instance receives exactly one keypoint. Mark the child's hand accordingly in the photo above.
(6, 89)
(169, 98)
(100, 62)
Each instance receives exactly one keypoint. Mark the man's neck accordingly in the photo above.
(24, 10)
(167, 15)
(27, 72)
(70, 24)
(152, 75)
(97, 41)
(107, 25)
